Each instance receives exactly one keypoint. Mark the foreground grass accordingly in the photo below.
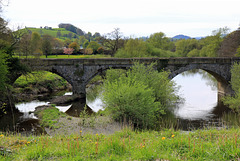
(125, 145)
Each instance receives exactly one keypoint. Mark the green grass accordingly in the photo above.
(49, 116)
(52, 32)
(68, 56)
(39, 78)
(125, 145)
(75, 56)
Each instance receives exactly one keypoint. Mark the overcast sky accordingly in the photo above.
(133, 17)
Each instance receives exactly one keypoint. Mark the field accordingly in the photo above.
(125, 145)
(68, 56)
(76, 56)
(52, 32)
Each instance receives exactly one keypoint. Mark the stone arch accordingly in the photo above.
(220, 73)
(51, 71)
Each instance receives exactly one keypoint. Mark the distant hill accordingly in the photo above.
(60, 33)
(177, 37)
(230, 44)
(71, 28)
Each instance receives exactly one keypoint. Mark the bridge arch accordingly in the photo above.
(38, 75)
(217, 71)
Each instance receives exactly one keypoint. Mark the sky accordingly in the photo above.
(135, 18)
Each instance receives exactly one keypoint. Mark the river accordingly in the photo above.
(200, 109)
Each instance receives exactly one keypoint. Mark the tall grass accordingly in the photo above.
(125, 145)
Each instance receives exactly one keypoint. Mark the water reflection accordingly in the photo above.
(201, 97)
(77, 107)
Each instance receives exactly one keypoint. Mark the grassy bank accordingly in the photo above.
(28, 86)
(125, 145)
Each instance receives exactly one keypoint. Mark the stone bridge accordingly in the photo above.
(78, 72)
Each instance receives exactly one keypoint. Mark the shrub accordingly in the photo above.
(234, 102)
(140, 95)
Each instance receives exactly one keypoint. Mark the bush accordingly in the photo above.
(140, 95)
(234, 102)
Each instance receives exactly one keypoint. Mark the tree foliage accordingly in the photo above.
(159, 40)
(140, 94)
(47, 45)
(68, 51)
(234, 102)
(74, 46)
(3, 72)
(94, 46)
(112, 41)
(184, 46)
(133, 48)
(71, 28)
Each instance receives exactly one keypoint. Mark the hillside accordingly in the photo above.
(60, 33)
(230, 44)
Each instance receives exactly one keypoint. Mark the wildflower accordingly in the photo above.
(143, 146)
(173, 136)
(163, 138)
(95, 142)
(1, 135)
(96, 134)
(80, 131)
(28, 142)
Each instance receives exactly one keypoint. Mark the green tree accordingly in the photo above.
(36, 42)
(25, 45)
(67, 42)
(3, 72)
(183, 47)
(193, 53)
(211, 44)
(82, 39)
(238, 52)
(133, 48)
(88, 36)
(57, 45)
(141, 94)
(234, 101)
(74, 46)
(47, 44)
(85, 44)
(112, 41)
(159, 40)
(94, 46)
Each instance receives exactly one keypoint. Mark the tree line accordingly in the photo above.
(115, 44)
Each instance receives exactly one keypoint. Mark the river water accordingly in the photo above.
(200, 109)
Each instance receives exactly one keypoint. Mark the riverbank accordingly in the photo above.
(125, 145)
(55, 122)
